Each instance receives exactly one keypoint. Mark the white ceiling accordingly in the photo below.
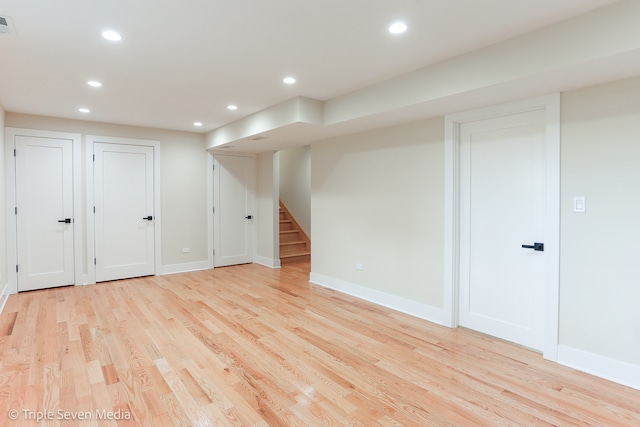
(181, 62)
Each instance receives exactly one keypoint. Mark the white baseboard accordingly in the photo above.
(267, 262)
(4, 296)
(413, 308)
(614, 370)
(183, 268)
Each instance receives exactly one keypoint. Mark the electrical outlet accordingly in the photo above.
(360, 267)
(186, 250)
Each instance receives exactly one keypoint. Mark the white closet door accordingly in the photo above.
(124, 211)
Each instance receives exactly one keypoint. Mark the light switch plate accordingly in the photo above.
(579, 204)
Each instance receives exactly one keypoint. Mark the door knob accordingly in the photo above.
(536, 247)
(65, 221)
(248, 217)
(148, 218)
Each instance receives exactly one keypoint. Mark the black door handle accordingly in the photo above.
(148, 218)
(535, 247)
(66, 220)
(248, 217)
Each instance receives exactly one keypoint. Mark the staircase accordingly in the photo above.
(295, 245)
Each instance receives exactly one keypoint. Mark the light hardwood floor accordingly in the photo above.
(252, 346)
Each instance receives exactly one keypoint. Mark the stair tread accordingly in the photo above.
(297, 242)
(288, 231)
(295, 254)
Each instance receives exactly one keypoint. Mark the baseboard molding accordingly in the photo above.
(416, 309)
(183, 268)
(267, 262)
(4, 296)
(614, 370)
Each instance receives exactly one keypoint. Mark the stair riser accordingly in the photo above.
(301, 258)
(290, 237)
(292, 249)
(285, 226)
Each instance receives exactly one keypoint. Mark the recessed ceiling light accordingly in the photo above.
(398, 28)
(197, 124)
(289, 80)
(94, 83)
(112, 36)
(84, 110)
(232, 107)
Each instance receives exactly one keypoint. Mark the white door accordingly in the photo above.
(234, 178)
(44, 220)
(124, 211)
(502, 208)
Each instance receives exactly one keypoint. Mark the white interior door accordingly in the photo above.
(502, 207)
(44, 220)
(124, 211)
(234, 178)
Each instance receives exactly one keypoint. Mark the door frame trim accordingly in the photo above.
(89, 179)
(551, 105)
(10, 188)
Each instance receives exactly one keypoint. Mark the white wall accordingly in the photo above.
(600, 249)
(378, 200)
(295, 184)
(183, 180)
(267, 249)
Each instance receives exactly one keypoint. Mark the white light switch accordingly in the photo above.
(579, 204)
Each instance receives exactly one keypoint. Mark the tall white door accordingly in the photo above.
(234, 178)
(124, 211)
(502, 208)
(44, 220)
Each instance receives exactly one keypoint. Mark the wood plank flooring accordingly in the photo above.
(251, 346)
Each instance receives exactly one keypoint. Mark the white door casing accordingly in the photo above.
(123, 185)
(234, 233)
(502, 200)
(456, 253)
(42, 188)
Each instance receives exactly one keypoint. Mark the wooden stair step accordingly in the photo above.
(296, 257)
(287, 236)
(297, 242)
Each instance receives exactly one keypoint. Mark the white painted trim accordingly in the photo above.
(551, 105)
(78, 218)
(184, 267)
(210, 210)
(4, 296)
(267, 262)
(90, 276)
(403, 305)
(10, 188)
(90, 140)
(611, 369)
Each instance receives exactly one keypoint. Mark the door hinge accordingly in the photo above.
(94, 209)
(16, 210)
(214, 209)
(94, 157)
(14, 152)
(95, 262)
(16, 268)
(214, 251)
